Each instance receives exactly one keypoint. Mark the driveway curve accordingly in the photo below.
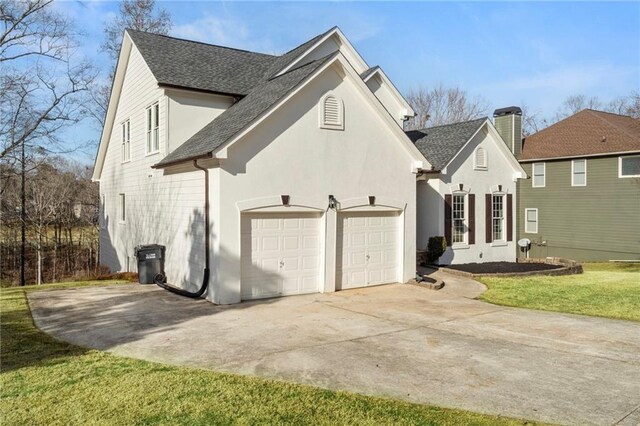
(399, 341)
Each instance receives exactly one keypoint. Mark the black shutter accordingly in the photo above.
(509, 217)
(487, 225)
(472, 218)
(447, 218)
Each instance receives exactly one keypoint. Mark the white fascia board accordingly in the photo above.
(416, 155)
(396, 93)
(360, 62)
(114, 97)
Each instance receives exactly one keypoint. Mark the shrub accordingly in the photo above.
(436, 248)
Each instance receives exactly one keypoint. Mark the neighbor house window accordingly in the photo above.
(331, 113)
(122, 216)
(531, 221)
(629, 166)
(126, 141)
(579, 173)
(497, 217)
(480, 159)
(458, 218)
(538, 175)
(153, 128)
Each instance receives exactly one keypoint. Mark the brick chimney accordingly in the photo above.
(508, 122)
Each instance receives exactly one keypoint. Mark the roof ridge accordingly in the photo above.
(614, 125)
(450, 124)
(201, 42)
(610, 113)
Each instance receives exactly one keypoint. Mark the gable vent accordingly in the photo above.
(331, 113)
(481, 158)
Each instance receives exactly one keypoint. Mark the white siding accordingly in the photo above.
(160, 209)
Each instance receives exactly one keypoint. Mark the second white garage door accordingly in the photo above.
(367, 246)
(280, 254)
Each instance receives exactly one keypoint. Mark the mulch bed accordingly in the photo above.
(502, 267)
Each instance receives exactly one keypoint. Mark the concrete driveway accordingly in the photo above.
(399, 341)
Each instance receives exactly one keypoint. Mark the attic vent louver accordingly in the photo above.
(331, 113)
(481, 159)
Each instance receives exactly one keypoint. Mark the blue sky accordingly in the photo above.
(536, 53)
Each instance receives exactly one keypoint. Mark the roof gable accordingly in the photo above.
(440, 144)
(588, 132)
(240, 114)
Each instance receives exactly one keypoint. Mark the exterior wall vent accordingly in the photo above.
(331, 113)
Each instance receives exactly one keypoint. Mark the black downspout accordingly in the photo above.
(160, 279)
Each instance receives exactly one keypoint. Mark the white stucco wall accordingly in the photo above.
(189, 112)
(290, 154)
(479, 182)
(163, 209)
(385, 95)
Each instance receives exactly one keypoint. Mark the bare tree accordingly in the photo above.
(625, 105)
(141, 15)
(576, 103)
(443, 105)
(532, 121)
(41, 87)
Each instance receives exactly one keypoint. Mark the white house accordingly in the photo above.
(469, 195)
(278, 174)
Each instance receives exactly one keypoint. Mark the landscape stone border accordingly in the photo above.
(566, 267)
(429, 282)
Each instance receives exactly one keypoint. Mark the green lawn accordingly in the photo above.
(44, 381)
(609, 290)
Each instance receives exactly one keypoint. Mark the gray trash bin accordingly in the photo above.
(150, 262)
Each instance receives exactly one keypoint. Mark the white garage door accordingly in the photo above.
(280, 254)
(367, 246)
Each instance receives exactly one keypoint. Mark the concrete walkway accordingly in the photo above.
(400, 341)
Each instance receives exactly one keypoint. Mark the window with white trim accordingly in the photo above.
(480, 159)
(458, 226)
(579, 172)
(153, 128)
(538, 172)
(531, 221)
(122, 214)
(629, 166)
(126, 141)
(497, 217)
(331, 113)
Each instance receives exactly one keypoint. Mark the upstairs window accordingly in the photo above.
(331, 113)
(126, 141)
(480, 159)
(579, 173)
(629, 166)
(538, 180)
(153, 128)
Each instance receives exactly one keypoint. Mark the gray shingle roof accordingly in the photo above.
(241, 114)
(194, 65)
(441, 143)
